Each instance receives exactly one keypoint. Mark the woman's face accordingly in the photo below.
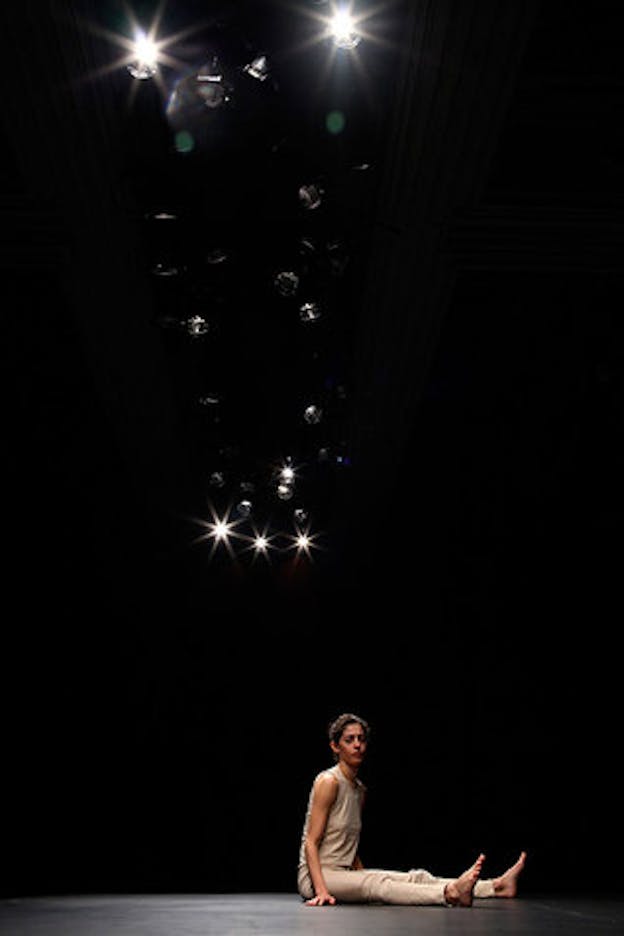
(351, 747)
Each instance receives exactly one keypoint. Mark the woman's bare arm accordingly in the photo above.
(323, 798)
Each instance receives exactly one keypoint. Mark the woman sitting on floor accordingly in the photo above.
(330, 868)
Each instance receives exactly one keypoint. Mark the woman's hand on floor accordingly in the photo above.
(322, 898)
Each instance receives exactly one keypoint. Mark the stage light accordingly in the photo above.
(217, 479)
(161, 216)
(309, 312)
(310, 196)
(210, 407)
(145, 62)
(343, 31)
(258, 68)
(196, 326)
(260, 544)
(300, 516)
(162, 269)
(307, 247)
(215, 256)
(303, 542)
(284, 491)
(313, 414)
(221, 530)
(287, 474)
(244, 508)
(144, 52)
(286, 283)
(209, 401)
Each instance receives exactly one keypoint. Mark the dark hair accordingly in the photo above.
(339, 724)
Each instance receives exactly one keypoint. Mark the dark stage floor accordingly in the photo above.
(276, 914)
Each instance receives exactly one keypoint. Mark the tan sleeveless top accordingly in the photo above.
(339, 845)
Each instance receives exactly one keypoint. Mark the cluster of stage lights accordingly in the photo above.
(344, 30)
(145, 53)
(226, 532)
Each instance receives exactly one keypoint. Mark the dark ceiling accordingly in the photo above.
(466, 255)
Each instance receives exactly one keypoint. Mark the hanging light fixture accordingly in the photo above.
(286, 283)
(196, 326)
(310, 196)
(343, 30)
(313, 414)
(145, 62)
(309, 312)
(258, 68)
(284, 491)
(300, 516)
(244, 508)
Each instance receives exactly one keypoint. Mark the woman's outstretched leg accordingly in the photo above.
(507, 884)
(504, 886)
(392, 887)
(459, 893)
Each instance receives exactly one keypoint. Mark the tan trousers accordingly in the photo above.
(391, 887)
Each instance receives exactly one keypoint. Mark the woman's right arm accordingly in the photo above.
(323, 798)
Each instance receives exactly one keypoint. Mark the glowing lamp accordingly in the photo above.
(342, 28)
(145, 58)
(221, 530)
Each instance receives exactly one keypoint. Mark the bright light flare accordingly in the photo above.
(286, 473)
(145, 56)
(221, 531)
(141, 52)
(260, 544)
(146, 50)
(304, 543)
(343, 30)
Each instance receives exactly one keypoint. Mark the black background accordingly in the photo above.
(163, 714)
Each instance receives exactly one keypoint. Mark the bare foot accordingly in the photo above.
(507, 884)
(459, 892)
